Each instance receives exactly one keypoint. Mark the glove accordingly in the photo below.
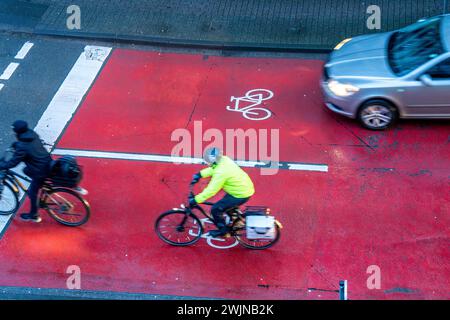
(192, 201)
(195, 178)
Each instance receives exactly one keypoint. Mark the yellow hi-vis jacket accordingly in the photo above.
(228, 176)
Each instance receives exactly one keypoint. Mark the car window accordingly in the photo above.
(440, 71)
(413, 46)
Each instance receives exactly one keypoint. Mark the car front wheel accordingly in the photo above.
(377, 115)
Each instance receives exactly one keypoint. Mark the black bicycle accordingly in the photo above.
(182, 227)
(66, 205)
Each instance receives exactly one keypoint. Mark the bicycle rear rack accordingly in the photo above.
(256, 210)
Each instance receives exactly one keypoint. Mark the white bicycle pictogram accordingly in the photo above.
(255, 97)
(211, 240)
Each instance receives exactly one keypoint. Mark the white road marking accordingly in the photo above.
(70, 94)
(127, 156)
(181, 160)
(24, 51)
(308, 167)
(66, 101)
(255, 97)
(9, 71)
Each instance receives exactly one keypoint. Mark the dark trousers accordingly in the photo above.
(32, 192)
(222, 205)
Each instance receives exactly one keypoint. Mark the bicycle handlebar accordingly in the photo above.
(191, 194)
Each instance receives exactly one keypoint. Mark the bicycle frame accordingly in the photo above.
(189, 209)
(237, 100)
(12, 178)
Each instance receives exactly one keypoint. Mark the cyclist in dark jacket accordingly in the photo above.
(29, 149)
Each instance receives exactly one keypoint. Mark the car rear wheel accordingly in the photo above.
(377, 115)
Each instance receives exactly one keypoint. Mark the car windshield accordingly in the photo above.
(411, 47)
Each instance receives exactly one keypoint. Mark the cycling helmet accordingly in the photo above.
(212, 155)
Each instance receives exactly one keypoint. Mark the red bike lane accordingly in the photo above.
(383, 201)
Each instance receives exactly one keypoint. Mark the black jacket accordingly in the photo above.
(30, 150)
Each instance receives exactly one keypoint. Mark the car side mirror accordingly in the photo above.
(426, 80)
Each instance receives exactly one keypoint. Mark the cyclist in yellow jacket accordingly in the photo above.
(226, 175)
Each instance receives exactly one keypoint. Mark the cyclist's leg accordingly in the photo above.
(33, 192)
(217, 212)
(220, 207)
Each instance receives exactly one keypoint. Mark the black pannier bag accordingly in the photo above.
(66, 172)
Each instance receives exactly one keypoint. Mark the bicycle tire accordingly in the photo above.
(248, 112)
(15, 196)
(75, 194)
(249, 246)
(181, 213)
(262, 92)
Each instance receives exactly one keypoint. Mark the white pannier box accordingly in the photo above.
(260, 227)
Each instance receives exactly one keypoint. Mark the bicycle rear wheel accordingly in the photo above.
(257, 114)
(9, 200)
(240, 233)
(66, 206)
(177, 228)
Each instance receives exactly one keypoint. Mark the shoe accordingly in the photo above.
(215, 233)
(219, 233)
(31, 217)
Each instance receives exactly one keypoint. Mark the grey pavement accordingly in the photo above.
(269, 24)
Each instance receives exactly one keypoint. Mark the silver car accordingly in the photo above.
(378, 78)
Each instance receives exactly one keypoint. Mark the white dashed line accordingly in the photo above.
(24, 51)
(12, 67)
(9, 71)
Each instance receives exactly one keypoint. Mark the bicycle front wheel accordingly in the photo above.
(66, 206)
(178, 228)
(257, 114)
(240, 233)
(9, 200)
